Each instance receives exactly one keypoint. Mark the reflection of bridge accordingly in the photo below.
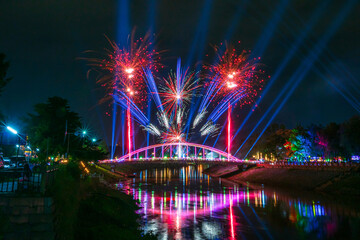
(177, 152)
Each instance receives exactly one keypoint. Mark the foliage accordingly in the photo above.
(350, 139)
(65, 192)
(275, 137)
(46, 128)
(332, 141)
(298, 145)
(86, 209)
(54, 127)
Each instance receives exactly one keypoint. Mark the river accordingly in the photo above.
(183, 203)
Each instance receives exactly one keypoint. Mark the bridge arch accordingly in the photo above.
(176, 151)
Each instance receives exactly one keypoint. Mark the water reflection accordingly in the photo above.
(183, 203)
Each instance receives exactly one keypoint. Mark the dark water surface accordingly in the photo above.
(183, 203)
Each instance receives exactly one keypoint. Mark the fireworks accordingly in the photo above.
(236, 72)
(127, 74)
(173, 135)
(178, 89)
(121, 68)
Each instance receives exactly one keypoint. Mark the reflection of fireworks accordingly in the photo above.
(122, 68)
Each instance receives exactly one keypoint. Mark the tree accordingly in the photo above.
(332, 133)
(54, 127)
(46, 128)
(298, 144)
(350, 137)
(4, 65)
(273, 140)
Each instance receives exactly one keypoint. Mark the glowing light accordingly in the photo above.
(231, 85)
(229, 132)
(12, 130)
(129, 70)
(129, 131)
(178, 89)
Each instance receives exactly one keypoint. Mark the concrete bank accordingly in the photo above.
(329, 180)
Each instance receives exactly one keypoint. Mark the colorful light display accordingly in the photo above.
(127, 74)
(183, 203)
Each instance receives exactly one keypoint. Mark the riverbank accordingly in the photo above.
(87, 208)
(330, 181)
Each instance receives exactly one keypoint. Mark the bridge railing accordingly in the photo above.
(309, 165)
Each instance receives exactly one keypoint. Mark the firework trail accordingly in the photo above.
(178, 89)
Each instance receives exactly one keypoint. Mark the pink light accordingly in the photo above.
(129, 129)
(185, 144)
(231, 220)
(229, 132)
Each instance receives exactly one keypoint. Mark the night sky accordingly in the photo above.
(44, 39)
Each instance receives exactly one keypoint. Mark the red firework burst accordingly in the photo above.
(173, 135)
(121, 68)
(235, 71)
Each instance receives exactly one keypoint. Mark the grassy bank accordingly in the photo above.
(87, 209)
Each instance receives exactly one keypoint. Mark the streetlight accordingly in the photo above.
(18, 145)
(94, 139)
(12, 130)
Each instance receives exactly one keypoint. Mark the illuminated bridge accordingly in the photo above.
(177, 152)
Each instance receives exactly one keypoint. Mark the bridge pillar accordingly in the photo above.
(170, 151)
(203, 156)
(162, 152)
(146, 153)
(154, 153)
(137, 156)
(195, 153)
(187, 151)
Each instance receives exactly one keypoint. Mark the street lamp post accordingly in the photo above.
(17, 134)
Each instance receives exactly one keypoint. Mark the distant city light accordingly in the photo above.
(94, 139)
